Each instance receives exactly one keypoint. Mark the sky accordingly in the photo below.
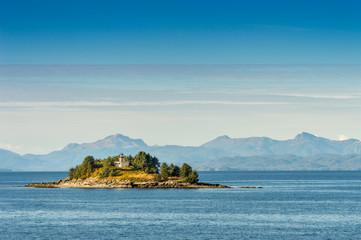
(177, 72)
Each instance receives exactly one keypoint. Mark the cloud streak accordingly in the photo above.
(318, 96)
(128, 104)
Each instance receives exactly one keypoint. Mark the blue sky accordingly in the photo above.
(179, 32)
(177, 72)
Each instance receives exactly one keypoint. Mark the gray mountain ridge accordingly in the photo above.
(304, 152)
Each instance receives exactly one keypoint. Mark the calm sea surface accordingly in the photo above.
(291, 205)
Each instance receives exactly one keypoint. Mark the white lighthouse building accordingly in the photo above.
(121, 162)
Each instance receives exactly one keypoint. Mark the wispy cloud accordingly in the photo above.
(318, 96)
(130, 104)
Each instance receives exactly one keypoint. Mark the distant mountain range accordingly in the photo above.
(4, 170)
(304, 152)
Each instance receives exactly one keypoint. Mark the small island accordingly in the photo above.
(140, 171)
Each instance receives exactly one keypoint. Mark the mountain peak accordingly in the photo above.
(71, 146)
(114, 143)
(123, 140)
(223, 137)
(305, 135)
(221, 140)
(116, 137)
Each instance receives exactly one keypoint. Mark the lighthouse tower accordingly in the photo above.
(121, 162)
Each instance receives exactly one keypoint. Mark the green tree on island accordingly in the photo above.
(71, 173)
(188, 174)
(107, 169)
(144, 161)
(173, 170)
(83, 170)
(185, 170)
(192, 177)
(164, 171)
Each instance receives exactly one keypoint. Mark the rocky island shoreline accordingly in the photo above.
(140, 171)
(105, 183)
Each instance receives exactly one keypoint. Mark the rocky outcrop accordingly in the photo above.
(106, 183)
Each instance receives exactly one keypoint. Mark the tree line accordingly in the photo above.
(186, 172)
(141, 161)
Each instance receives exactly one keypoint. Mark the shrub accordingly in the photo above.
(157, 177)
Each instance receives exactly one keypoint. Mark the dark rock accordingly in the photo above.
(98, 183)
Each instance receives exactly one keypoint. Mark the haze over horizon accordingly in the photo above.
(177, 72)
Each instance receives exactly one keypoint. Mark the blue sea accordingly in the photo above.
(291, 205)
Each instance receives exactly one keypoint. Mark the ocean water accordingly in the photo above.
(291, 205)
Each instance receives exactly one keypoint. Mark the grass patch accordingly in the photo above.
(132, 175)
